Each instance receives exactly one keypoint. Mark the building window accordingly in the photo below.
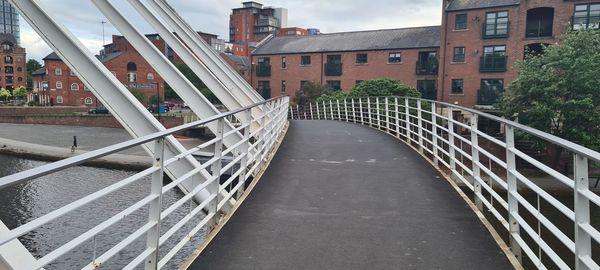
(59, 100)
(427, 88)
(490, 92)
(283, 62)
(362, 58)
(460, 22)
(586, 16)
(457, 87)
(302, 84)
(131, 66)
(540, 22)
(58, 85)
(8, 59)
(131, 77)
(150, 76)
(88, 101)
(494, 50)
(496, 24)
(6, 46)
(305, 60)
(283, 86)
(334, 85)
(395, 58)
(74, 87)
(264, 88)
(58, 71)
(19, 69)
(459, 55)
(20, 79)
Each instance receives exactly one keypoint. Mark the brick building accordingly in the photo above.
(482, 41)
(340, 60)
(13, 64)
(55, 84)
(252, 22)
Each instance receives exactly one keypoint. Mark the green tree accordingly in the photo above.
(32, 65)
(193, 78)
(153, 100)
(20, 92)
(382, 88)
(5, 94)
(311, 91)
(138, 95)
(557, 91)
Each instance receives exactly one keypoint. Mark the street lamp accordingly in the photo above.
(157, 99)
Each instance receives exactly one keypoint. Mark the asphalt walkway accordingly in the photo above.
(344, 196)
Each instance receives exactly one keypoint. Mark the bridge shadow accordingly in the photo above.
(343, 196)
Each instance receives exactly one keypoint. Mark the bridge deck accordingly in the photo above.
(344, 196)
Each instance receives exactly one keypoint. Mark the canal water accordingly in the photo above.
(27, 201)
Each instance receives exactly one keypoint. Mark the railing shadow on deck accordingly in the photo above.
(514, 190)
(225, 183)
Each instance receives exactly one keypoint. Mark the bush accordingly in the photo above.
(382, 88)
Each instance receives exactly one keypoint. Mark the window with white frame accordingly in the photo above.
(74, 87)
(58, 85)
(58, 71)
(88, 101)
(59, 100)
(131, 77)
(150, 76)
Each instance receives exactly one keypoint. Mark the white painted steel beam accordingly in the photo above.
(111, 92)
(180, 84)
(205, 53)
(221, 91)
(13, 255)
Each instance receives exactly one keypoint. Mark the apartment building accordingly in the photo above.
(284, 63)
(13, 64)
(253, 22)
(483, 40)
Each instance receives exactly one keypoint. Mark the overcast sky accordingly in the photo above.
(212, 16)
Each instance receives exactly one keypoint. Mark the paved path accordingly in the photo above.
(343, 196)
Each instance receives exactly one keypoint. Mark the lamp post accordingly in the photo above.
(157, 99)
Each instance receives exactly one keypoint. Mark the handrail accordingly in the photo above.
(492, 170)
(95, 154)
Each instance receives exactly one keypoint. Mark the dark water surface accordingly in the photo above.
(24, 202)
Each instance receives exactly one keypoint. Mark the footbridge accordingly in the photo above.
(367, 183)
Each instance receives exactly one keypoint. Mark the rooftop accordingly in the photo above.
(476, 4)
(403, 38)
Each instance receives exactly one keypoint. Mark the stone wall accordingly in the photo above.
(78, 120)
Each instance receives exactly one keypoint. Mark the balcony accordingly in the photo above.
(493, 63)
(489, 96)
(263, 70)
(333, 69)
(498, 30)
(427, 68)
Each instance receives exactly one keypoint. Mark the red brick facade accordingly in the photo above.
(377, 66)
(473, 40)
(13, 66)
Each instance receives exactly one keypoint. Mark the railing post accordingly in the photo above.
(407, 120)
(369, 112)
(434, 139)
(353, 111)
(244, 151)
(346, 109)
(214, 186)
(475, 161)
(583, 241)
(155, 207)
(451, 150)
(397, 112)
(292, 112)
(378, 112)
(387, 115)
(318, 112)
(339, 112)
(362, 120)
(311, 111)
(511, 182)
(324, 111)
(420, 123)
(331, 109)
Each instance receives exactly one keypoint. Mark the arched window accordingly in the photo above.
(131, 66)
(88, 101)
(58, 85)
(58, 71)
(540, 22)
(150, 76)
(19, 69)
(59, 100)
(20, 79)
(75, 87)
(6, 46)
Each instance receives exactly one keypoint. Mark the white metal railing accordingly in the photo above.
(249, 155)
(501, 176)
